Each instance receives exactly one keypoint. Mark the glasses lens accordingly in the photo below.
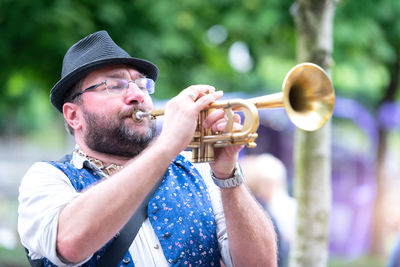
(116, 86)
(150, 86)
(147, 84)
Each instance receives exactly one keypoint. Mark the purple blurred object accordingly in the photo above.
(389, 115)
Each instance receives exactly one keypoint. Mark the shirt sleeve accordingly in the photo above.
(43, 192)
(216, 202)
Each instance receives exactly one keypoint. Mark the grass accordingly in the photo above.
(364, 261)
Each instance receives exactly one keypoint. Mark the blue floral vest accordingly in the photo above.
(180, 213)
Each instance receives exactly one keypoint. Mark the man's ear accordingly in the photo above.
(72, 115)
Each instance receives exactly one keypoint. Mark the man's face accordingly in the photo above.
(108, 125)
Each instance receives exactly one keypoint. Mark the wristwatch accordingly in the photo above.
(234, 181)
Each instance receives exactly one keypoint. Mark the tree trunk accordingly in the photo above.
(378, 222)
(312, 186)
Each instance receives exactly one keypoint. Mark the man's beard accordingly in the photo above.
(109, 136)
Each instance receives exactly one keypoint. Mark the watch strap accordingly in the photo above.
(235, 180)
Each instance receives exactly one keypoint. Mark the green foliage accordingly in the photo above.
(172, 34)
(367, 47)
(175, 35)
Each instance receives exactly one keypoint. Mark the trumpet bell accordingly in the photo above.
(308, 96)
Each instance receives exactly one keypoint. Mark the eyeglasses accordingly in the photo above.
(118, 86)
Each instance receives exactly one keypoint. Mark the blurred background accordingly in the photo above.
(243, 47)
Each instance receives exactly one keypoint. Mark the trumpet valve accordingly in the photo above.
(251, 145)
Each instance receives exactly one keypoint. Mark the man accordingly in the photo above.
(71, 209)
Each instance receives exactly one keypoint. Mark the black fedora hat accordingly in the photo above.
(92, 52)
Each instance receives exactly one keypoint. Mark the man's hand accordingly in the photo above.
(225, 158)
(181, 114)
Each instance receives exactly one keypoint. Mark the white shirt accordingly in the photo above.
(45, 190)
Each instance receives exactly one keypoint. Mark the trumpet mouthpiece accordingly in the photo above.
(138, 115)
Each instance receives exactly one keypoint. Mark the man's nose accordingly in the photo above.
(134, 95)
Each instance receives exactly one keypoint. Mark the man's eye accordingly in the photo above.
(117, 85)
(114, 87)
(141, 83)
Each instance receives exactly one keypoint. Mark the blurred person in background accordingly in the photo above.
(265, 175)
(72, 210)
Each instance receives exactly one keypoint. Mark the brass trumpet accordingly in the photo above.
(307, 96)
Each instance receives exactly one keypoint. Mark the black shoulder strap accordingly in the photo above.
(34, 263)
(120, 245)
